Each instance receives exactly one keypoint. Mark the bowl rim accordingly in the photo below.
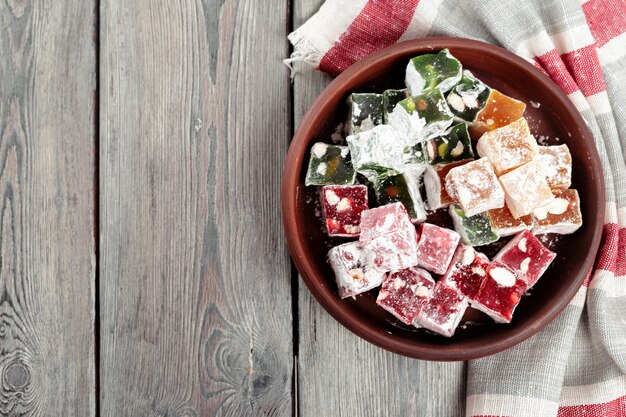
(290, 182)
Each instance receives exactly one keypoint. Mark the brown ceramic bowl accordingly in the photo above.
(553, 121)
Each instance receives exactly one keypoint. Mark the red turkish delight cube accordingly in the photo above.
(500, 292)
(403, 292)
(467, 271)
(527, 256)
(388, 232)
(342, 206)
(443, 312)
(355, 271)
(436, 247)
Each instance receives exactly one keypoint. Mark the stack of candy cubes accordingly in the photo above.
(470, 151)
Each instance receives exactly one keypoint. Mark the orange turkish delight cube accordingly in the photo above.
(562, 215)
(499, 111)
(504, 224)
(508, 147)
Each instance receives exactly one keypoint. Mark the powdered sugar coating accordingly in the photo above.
(436, 247)
(508, 147)
(555, 163)
(403, 293)
(525, 189)
(443, 311)
(390, 235)
(434, 183)
(354, 269)
(475, 187)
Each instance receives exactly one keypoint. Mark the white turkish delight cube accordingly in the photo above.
(475, 187)
(556, 165)
(355, 271)
(525, 189)
(508, 147)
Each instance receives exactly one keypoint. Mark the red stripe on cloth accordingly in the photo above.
(584, 66)
(380, 24)
(554, 66)
(615, 408)
(540, 67)
(606, 19)
(611, 257)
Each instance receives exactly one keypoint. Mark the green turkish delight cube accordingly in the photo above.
(403, 188)
(432, 109)
(390, 99)
(414, 155)
(468, 97)
(454, 145)
(330, 165)
(430, 71)
(365, 112)
(474, 230)
(377, 151)
(406, 120)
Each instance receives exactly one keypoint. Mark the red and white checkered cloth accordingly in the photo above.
(577, 365)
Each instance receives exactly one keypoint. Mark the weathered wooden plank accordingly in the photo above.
(195, 295)
(47, 242)
(340, 374)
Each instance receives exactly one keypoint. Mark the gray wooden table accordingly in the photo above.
(143, 269)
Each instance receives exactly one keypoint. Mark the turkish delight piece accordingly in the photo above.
(389, 234)
(499, 111)
(504, 224)
(403, 188)
(562, 215)
(556, 164)
(414, 155)
(525, 188)
(454, 145)
(508, 147)
(527, 256)
(329, 164)
(436, 247)
(433, 109)
(468, 97)
(499, 293)
(434, 183)
(354, 269)
(475, 187)
(474, 230)
(403, 293)
(365, 110)
(467, 271)
(390, 99)
(443, 312)
(430, 71)
(407, 121)
(378, 151)
(342, 206)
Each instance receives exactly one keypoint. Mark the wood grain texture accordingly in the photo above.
(195, 296)
(47, 242)
(340, 374)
